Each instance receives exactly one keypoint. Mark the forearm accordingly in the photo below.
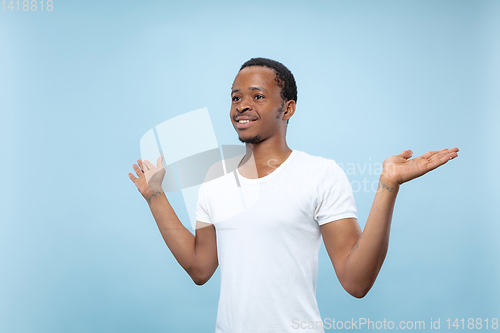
(179, 240)
(365, 259)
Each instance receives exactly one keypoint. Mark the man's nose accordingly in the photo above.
(245, 105)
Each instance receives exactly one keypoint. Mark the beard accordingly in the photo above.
(252, 140)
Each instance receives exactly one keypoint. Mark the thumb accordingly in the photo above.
(407, 154)
(159, 162)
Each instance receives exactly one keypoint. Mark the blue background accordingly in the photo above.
(80, 85)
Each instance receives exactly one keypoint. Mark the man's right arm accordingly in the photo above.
(197, 254)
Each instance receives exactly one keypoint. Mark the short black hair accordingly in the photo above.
(284, 78)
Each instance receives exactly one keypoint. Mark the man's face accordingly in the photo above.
(257, 106)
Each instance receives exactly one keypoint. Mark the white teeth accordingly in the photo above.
(244, 121)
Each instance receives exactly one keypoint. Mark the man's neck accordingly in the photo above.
(263, 158)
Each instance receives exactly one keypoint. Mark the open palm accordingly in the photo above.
(150, 176)
(400, 168)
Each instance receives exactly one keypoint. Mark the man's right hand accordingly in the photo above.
(150, 177)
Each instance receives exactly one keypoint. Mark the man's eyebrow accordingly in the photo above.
(250, 88)
(258, 88)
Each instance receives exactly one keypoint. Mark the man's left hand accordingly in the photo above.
(401, 168)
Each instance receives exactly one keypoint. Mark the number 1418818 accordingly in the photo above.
(28, 5)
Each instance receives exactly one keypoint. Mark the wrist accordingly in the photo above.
(153, 193)
(388, 183)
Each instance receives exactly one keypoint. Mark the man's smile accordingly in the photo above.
(244, 123)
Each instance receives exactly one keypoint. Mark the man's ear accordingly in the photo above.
(289, 109)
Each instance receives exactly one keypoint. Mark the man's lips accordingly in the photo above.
(247, 122)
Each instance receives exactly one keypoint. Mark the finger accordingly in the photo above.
(452, 155)
(429, 154)
(140, 163)
(148, 165)
(406, 154)
(438, 155)
(159, 162)
(137, 170)
(445, 154)
(132, 177)
(143, 165)
(436, 162)
(441, 158)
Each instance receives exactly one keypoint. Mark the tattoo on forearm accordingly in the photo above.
(387, 187)
(154, 194)
(357, 246)
(354, 247)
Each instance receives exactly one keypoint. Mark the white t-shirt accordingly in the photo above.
(268, 240)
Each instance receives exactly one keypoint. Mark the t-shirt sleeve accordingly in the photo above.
(202, 210)
(335, 199)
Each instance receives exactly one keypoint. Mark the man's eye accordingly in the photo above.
(235, 98)
(259, 96)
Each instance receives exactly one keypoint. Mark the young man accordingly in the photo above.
(264, 223)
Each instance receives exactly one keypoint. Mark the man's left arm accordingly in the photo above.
(358, 256)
